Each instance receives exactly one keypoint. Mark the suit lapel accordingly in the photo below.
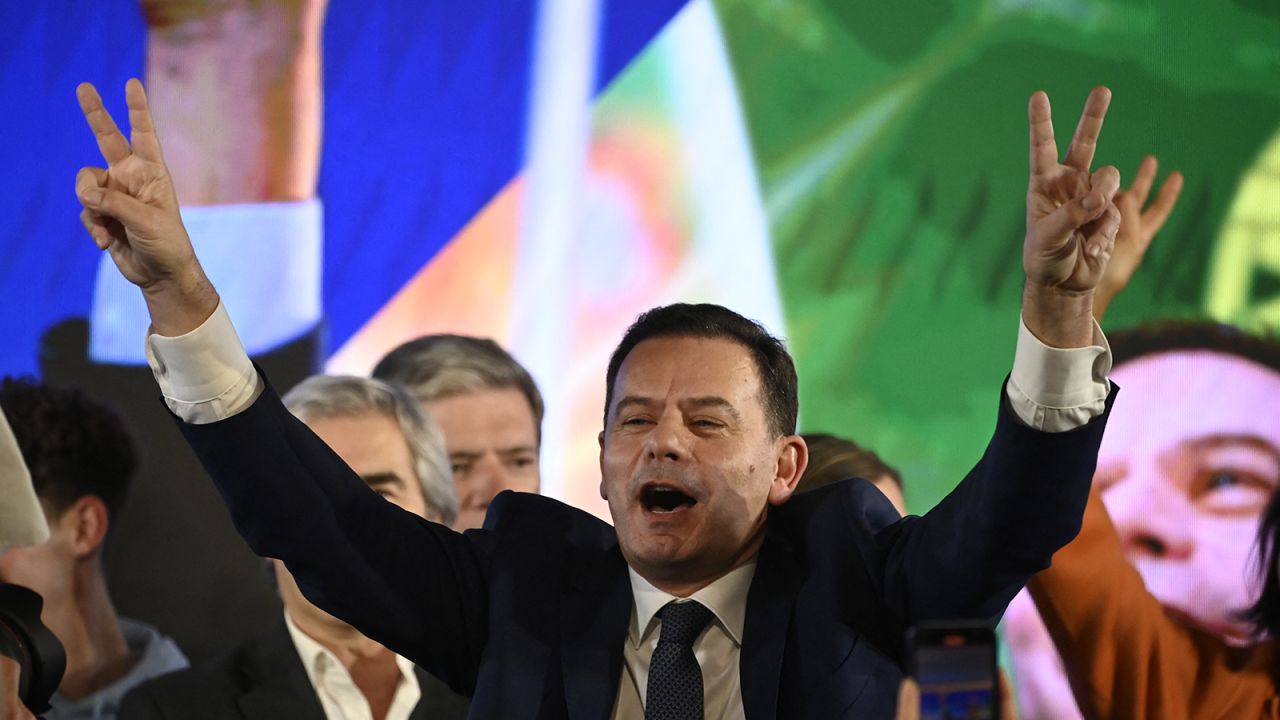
(764, 635)
(276, 684)
(594, 616)
(421, 711)
(437, 702)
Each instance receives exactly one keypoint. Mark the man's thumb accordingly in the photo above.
(1071, 216)
(135, 214)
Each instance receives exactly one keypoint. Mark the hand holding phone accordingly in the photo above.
(954, 667)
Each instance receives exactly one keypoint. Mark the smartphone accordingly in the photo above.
(955, 665)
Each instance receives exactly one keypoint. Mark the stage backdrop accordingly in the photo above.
(851, 174)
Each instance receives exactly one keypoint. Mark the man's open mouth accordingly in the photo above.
(664, 499)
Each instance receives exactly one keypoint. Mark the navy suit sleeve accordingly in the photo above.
(415, 586)
(1023, 501)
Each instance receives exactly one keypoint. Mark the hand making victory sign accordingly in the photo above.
(1139, 223)
(131, 211)
(1071, 224)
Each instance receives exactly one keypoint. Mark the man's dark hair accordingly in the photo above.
(832, 459)
(1191, 336)
(72, 445)
(437, 366)
(773, 363)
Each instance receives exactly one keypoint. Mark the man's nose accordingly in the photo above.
(489, 476)
(1153, 519)
(667, 439)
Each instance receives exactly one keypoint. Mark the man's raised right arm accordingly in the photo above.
(412, 585)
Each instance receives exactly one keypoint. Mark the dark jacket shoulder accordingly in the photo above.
(263, 678)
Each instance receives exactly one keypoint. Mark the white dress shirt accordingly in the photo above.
(717, 649)
(338, 694)
(206, 376)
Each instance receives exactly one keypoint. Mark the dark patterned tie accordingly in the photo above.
(675, 680)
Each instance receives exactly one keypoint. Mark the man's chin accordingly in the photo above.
(659, 546)
(657, 551)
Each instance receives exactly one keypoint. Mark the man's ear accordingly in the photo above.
(793, 458)
(88, 521)
(604, 494)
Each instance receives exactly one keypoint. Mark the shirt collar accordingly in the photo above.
(726, 598)
(317, 659)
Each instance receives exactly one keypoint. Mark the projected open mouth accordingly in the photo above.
(665, 499)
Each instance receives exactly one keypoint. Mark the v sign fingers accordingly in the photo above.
(1138, 227)
(1044, 149)
(1085, 141)
(142, 130)
(132, 213)
(1142, 180)
(1065, 202)
(111, 142)
(1153, 218)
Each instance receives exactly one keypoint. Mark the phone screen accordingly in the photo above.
(956, 673)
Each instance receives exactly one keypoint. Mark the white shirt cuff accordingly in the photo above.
(205, 375)
(257, 255)
(1056, 389)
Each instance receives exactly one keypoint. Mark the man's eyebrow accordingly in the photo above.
(714, 401)
(706, 401)
(633, 400)
(374, 480)
(518, 450)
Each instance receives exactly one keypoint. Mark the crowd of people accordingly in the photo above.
(749, 571)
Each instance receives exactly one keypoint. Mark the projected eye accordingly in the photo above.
(1222, 480)
(1233, 491)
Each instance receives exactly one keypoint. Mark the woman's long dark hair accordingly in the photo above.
(1264, 614)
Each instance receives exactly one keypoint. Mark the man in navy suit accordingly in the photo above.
(718, 595)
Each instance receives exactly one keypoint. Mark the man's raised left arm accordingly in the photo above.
(1024, 499)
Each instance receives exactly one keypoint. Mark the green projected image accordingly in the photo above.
(890, 140)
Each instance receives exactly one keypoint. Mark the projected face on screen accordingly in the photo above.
(1189, 461)
(1190, 458)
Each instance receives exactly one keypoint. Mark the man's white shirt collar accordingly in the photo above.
(726, 598)
(318, 659)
